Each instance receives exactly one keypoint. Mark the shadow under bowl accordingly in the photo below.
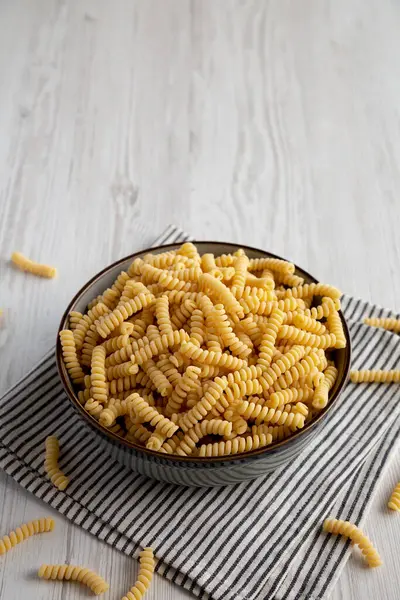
(195, 471)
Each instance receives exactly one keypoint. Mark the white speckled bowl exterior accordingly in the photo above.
(193, 471)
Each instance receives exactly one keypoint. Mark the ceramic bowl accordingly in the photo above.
(194, 471)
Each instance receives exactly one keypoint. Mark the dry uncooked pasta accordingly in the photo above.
(192, 355)
(30, 266)
(351, 531)
(51, 467)
(366, 376)
(74, 573)
(25, 531)
(394, 500)
(146, 570)
(389, 324)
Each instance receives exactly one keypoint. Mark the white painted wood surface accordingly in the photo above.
(271, 123)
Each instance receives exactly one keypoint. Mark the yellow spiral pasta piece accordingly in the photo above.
(189, 274)
(222, 327)
(186, 383)
(151, 274)
(190, 251)
(94, 408)
(236, 446)
(116, 343)
(129, 383)
(169, 369)
(73, 319)
(273, 264)
(115, 408)
(306, 366)
(334, 323)
(282, 364)
(245, 374)
(182, 314)
(239, 425)
(170, 445)
(221, 359)
(289, 280)
(306, 338)
(84, 395)
(389, 324)
(265, 282)
(263, 414)
(119, 371)
(225, 260)
(366, 376)
(197, 327)
(236, 391)
(98, 376)
(84, 324)
(394, 500)
(178, 297)
(158, 378)
(162, 315)
(141, 410)
(147, 565)
(198, 431)
(25, 531)
(74, 573)
(70, 357)
(323, 310)
(239, 278)
(159, 346)
(222, 294)
(30, 266)
(308, 324)
(290, 396)
(268, 339)
(203, 406)
(278, 432)
(347, 529)
(135, 267)
(51, 467)
(313, 289)
(321, 394)
(105, 325)
(136, 432)
(208, 263)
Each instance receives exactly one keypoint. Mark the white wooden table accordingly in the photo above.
(274, 124)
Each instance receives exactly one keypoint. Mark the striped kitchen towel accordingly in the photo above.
(257, 540)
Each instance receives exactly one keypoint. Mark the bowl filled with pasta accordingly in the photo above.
(205, 363)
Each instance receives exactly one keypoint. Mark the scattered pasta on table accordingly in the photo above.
(351, 531)
(185, 354)
(25, 531)
(74, 573)
(146, 570)
(56, 476)
(394, 500)
(30, 266)
(366, 376)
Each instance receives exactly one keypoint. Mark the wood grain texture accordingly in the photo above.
(273, 124)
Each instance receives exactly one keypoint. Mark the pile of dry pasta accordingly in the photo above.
(205, 356)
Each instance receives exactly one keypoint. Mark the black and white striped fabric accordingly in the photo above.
(257, 540)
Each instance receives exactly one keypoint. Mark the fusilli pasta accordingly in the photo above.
(347, 529)
(25, 531)
(74, 573)
(51, 467)
(182, 344)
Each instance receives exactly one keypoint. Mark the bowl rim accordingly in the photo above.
(173, 458)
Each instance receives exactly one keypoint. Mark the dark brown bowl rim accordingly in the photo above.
(193, 459)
